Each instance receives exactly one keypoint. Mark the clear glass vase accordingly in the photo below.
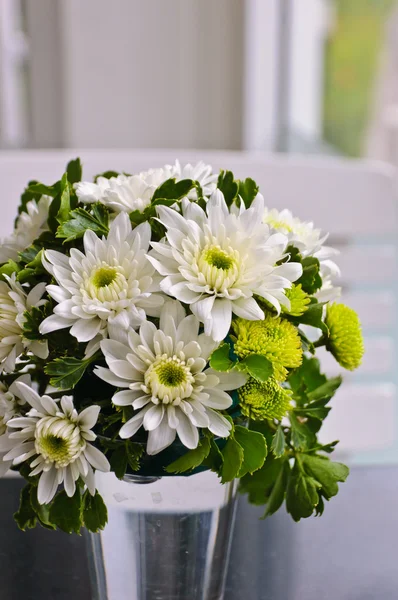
(167, 538)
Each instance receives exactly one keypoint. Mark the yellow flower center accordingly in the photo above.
(103, 276)
(216, 257)
(169, 380)
(58, 441)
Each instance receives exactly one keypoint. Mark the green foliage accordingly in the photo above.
(64, 201)
(248, 190)
(254, 449)
(74, 171)
(228, 186)
(244, 452)
(172, 190)
(124, 455)
(214, 460)
(220, 359)
(32, 320)
(95, 513)
(66, 372)
(66, 513)
(301, 494)
(97, 219)
(278, 442)
(258, 366)
(106, 175)
(278, 490)
(233, 460)
(26, 517)
(192, 459)
(310, 280)
(9, 268)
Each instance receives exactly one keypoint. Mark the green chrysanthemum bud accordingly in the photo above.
(275, 338)
(299, 301)
(267, 400)
(345, 336)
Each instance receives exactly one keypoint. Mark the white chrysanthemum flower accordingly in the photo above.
(134, 192)
(122, 193)
(30, 224)
(304, 236)
(10, 406)
(59, 440)
(201, 173)
(217, 262)
(89, 192)
(14, 302)
(162, 375)
(110, 284)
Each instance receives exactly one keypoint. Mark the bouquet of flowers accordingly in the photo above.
(158, 323)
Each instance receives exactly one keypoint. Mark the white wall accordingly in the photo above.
(153, 73)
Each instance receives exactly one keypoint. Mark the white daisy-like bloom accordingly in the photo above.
(217, 261)
(201, 173)
(30, 224)
(134, 192)
(125, 192)
(122, 193)
(111, 284)
(58, 439)
(304, 236)
(14, 302)
(162, 375)
(10, 406)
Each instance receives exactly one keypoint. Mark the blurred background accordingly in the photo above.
(305, 77)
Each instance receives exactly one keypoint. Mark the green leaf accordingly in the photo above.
(66, 513)
(313, 316)
(248, 190)
(66, 372)
(259, 485)
(302, 435)
(310, 280)
(302, 493)
(277, 495)
(134, 454)
(308, 374)
(106, 175)
(215, 459)
(192, 459)
(26, 517)
(42, 510)
(233, 460)
(326, 390)
(316, 410)
(278, 442)
(118, 461)
(40, 189)
(228, 186)
(74, 171)
(254, 449)
(172, 190)
(95, 513)
(220, 359)
(81, 220)
(9, 268)
(64, 206)
(258, 366)
(325, 472)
